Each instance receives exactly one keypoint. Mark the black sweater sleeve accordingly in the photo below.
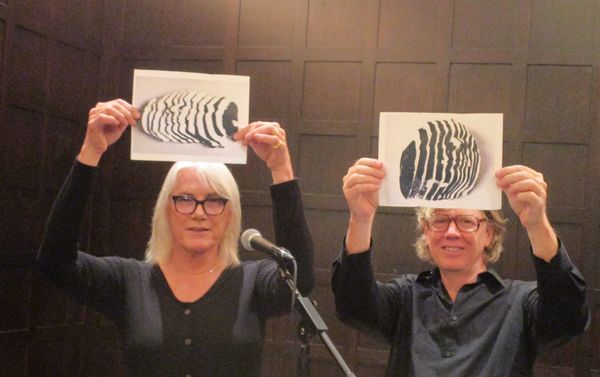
(93, 281)
(59, 245)
(292, 230)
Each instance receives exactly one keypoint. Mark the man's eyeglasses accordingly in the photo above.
(464, 223)
(186, 204)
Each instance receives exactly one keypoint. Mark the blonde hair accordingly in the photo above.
(491, 253)
(220, 179)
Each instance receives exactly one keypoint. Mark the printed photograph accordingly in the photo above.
(440, 160)
(189, 116)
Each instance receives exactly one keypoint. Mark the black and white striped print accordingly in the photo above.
(442, 165)
(190, 117)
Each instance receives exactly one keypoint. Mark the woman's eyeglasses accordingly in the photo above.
(187, 205)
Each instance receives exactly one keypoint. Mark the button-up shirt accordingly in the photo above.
(494, 327)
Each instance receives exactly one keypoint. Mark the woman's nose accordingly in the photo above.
(199, 211)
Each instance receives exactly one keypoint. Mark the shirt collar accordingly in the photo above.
(489, 277)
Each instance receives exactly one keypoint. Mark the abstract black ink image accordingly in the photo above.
(442, 165)
(190, 117)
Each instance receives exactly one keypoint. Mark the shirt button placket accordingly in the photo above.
(187, 313)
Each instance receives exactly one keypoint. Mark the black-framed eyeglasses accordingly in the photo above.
(186, 204)
(464, 223)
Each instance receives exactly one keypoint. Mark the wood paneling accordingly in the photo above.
(27, 67)
(558, 104)
(482, 24)
(406, 86)
(331, 91)
(15, 287)
(265, 23)
(336, 24)
(480, 88)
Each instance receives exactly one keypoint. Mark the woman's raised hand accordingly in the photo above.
(268, 140)
(106, 123)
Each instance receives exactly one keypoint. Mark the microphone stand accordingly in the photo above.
(310, 324)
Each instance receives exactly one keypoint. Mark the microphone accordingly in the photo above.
(252, 240)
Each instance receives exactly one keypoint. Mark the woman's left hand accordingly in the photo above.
(268, 140)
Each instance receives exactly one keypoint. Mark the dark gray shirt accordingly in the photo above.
(494, 327)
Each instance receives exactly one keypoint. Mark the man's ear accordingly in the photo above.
(489, 233)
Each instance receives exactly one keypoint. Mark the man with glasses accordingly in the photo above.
(460, 318)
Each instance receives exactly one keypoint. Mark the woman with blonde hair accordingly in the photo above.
(191, 308)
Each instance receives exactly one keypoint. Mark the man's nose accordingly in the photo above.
(452, 228)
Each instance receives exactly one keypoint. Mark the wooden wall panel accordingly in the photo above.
(27, 68)
(482, 24)
(50, 308)
(480, 88)
(324, 223)
(84, 20)
(593, 339)
(265, 23)
(64, 137)
(142, 30)
(2, 42)
(51, 61)
(408, 86)
(68, 98)
(415, 36)
(13, 353)
(558, 103)
(19, 226)
(324, 177)
(196, 23)
(393, 239)
(15, 292)
(547, 158)
(25, 125)
(331, 91)
(269, 88)
(563, 24)
(336, 24)
(57, 352)
(130, 227)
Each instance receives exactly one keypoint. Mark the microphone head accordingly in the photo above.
(247, 237)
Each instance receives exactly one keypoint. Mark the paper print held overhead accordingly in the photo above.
(189, 116)
(440, 160)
